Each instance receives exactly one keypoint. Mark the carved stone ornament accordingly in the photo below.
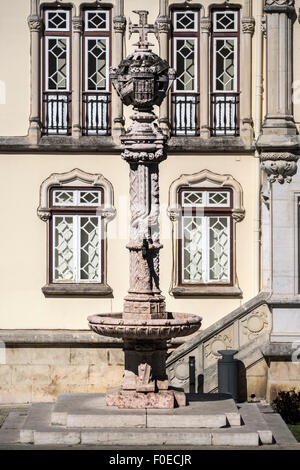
(248, 25)
(255, 324)
(279, 166)
(77, 24)
(35, 23)
(76, 177)
(205, 25)
(163, 24)
(280, 6)
(119, 24)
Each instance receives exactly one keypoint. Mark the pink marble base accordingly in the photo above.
(132, 399)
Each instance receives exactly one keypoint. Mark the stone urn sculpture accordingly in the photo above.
(142, 80)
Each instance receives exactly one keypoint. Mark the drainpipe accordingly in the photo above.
(257, 130)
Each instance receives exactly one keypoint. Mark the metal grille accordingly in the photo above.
(97, 111)
(63, 248)
(206, 249)
(76, 248)
(89, 248)
(185, 114)
(219, 248)
(57, 115)
(192, 249)
(225, 114)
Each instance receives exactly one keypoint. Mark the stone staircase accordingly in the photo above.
(246, 329)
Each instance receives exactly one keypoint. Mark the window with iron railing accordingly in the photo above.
(56, 100)
(225, 73)
(96, 60)
(185, 94)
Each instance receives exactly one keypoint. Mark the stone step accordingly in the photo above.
(89, 410)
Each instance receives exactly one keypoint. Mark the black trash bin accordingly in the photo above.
(228, 373)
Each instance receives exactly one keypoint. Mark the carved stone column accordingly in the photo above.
(278, 141)
(35, 26)
(248, 25)
(119, 23)
(76, 77)
(205, 31)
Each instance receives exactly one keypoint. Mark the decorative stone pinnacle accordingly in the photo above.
(143, 29)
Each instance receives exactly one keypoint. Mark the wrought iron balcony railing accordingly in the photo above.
(185, 114)
(56, 113)
(96, 112)
(225, 114)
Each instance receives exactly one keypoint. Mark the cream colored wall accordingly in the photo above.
(23, 234)
(23, 239)
(15, 68)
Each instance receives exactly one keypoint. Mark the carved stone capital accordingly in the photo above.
(205, 25)
(119, 24)
(140, 156)
(280, 6)
(163, 24)
(35, 23)
(279, 166)
(248, 25)
(77, 24)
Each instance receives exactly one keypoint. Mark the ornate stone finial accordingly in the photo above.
(35, 23)
(77, 24)
(143, 29)
(248, 25)
(279, 166)
(119, 24)
(205, 25)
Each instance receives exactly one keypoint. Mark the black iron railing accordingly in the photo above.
(56, 116)
(225, 114)
(96, 109)
(185, 114)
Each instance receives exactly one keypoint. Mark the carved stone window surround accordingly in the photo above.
(205, 179)
(80, 179)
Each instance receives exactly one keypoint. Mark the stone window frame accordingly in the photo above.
(79, 179)
(208, 180)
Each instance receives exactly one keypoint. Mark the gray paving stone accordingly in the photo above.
(235, 439)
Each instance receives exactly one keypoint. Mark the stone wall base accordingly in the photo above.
(38, 373)
(282, 376)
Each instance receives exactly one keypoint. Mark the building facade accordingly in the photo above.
(229, 191)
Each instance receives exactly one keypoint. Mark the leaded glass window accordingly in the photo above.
(96, 91)
(225, 76)
(76, 236)
(185, 96)
(57, 72)
(206, 237)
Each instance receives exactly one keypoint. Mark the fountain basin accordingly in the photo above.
(175, 325)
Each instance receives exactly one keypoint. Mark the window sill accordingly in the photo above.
(228, 291)
(82, 290)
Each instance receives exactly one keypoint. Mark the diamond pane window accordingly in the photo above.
(185, 21)
(63, 236)
(225, 64)
(76, 198)
(57, 20)
(185, 60)
(225, 21)
(97, 20)
(57, 64)
(97, 50)
(205, 236)
(89, 248)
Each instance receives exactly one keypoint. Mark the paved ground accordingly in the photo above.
(278, 427)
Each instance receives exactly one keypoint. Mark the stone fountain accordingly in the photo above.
(142, 80)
